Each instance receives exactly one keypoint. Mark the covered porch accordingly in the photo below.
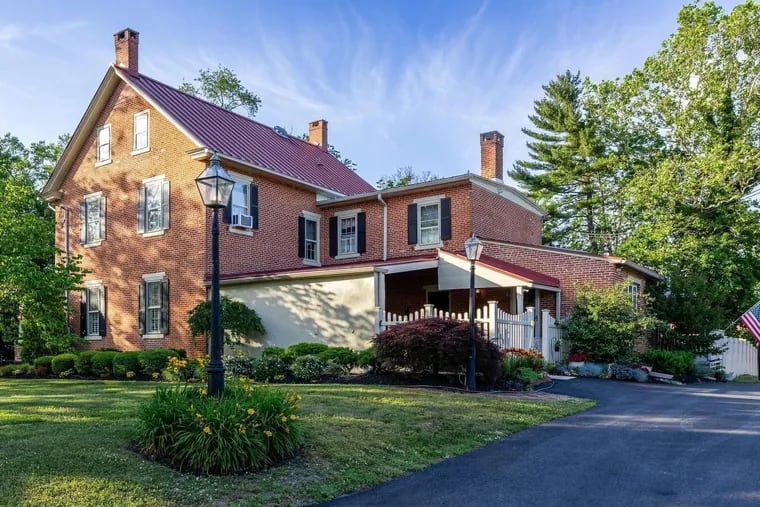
(510, 300)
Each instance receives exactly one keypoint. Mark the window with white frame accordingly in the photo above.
(311, 240)
(153, 307)
(92, 214)
(153, 295)
(141, 136)
(154, 206)
(634, 287)
(103, 148)
(92, 316)
(429, 221)
(240, 199)
(347, 235)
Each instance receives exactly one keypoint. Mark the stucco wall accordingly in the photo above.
(335, 311)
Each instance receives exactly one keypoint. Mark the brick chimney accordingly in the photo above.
(492, 155)
(318, 133)
(126, 43)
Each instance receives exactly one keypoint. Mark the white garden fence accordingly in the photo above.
(738, 357)
(505, 329)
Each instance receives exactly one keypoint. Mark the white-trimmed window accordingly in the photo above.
(634, 289)
(141, 137)
(153, 206)
(103, 145)
(93, 322)
(153, 297)
(347, 229)
(308, 235)
(240, 200)
(429, 221)
(92, 219)
(243, 212)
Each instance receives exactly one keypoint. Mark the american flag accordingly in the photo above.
(751, 319)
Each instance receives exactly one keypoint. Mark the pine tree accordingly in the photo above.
(565, 173)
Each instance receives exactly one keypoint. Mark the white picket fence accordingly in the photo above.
(504, 329)
(738, 357)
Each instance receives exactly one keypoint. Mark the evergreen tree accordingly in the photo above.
(566, 174)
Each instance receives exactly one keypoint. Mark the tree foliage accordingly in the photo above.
(238, 321)
(404, 176)
(222, 87)
(661, 165)
(604, 324)
(32, 282)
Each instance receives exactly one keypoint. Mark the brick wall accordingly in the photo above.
(495, 217)
(124, 256)
(571, 269)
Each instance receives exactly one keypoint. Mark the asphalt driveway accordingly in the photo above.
(643, 444)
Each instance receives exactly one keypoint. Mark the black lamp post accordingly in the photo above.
(215, 186)
(472, 250)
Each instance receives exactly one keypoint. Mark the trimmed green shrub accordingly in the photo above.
(435, 346)
(366, 358)
(63, 362)
(102, 362)
(343, 356)
(237, 365)
(305, 349)
(335, 369)
(44, 362)
(675, 362)
(238, 321)
(603, 324)
(268, 369)
(246, 429)
(307, 368)
(124, 362)
(527, 374)
(14, 370)
(154, 361)
(83, 363)
(273, 352)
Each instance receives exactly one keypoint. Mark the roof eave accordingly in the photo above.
(636, 267)
(50, 192)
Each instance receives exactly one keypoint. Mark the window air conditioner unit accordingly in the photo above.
(242, 221)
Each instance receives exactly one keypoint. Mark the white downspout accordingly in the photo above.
(385, 226)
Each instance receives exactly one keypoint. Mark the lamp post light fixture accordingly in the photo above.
(472, 250)
(215, 186)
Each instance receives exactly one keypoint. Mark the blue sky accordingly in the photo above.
(400, 82)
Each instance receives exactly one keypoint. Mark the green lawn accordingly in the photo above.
(66, 442)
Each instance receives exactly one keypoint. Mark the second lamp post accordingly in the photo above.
(472, 249)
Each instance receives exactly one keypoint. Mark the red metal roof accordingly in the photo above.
(514, 270)
(249, 141)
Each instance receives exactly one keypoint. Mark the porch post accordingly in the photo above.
(378, 319)
(532, 332)
(537, 312)
(559, 305)
(428, 310)
(519, 298)
(545, 333)
(491, 319)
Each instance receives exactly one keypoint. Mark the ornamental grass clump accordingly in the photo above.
(248, 428)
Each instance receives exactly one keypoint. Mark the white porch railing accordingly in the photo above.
(504, 329)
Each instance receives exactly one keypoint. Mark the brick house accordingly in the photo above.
(315, 249)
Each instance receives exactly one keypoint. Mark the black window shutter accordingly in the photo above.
(83, 222)
(102, 316)
(141, 211)
(411, 224)
(253, 207)
(445, 218)
(165, 306)
(333, 236)
(361, 232)
(227, 212)
(141, 310)
(102, 218)
(83, 314)
(301, 237)
(165, 204)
